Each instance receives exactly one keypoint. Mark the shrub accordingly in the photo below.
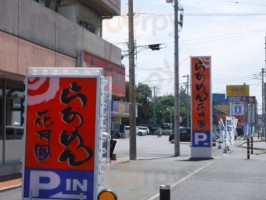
(164, 132)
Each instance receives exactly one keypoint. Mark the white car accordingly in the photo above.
(127, 131)
(143, 130)
(139, 131)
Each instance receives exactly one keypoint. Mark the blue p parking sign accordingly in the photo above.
(201, 139)
(58, 184)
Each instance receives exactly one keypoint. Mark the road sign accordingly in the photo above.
(63, 129)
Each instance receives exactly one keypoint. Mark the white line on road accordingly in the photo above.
(183, 179)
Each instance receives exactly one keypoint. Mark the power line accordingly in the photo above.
(239, 79)
(238, 2)
(223, 14)
(202, 14)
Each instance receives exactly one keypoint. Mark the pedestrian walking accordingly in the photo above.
(159, 132)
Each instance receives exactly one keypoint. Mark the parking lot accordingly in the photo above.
(150, 147)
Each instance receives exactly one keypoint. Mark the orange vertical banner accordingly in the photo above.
(201, 101)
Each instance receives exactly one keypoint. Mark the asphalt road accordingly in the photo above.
(150, 147)
(226, 176)
(155, 166)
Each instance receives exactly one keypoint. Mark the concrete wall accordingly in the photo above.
(14, 154)
(18, 54)
(13, 151)
(113, 4)
(40, 25)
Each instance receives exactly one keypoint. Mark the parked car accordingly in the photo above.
(138, 131)
(185, 134)
(127, 130)
(143, 130)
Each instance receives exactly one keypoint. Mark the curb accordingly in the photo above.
(10, 187)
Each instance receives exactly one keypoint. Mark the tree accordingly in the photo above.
(184, 100)
(164, 108)
(144, 95)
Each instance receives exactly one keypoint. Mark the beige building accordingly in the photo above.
(48, 33)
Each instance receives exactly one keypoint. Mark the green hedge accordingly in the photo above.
(164, 132)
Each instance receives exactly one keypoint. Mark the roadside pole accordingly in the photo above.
(132, 91)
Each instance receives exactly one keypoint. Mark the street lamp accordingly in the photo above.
(176, 71)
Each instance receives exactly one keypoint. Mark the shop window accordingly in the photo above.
(14, 114)
(11, 109)
(87, 26)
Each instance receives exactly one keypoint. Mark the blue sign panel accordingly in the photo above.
(238, 99)
(238, 109)
(201, 139)
(58, 184)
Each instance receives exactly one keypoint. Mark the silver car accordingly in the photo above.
(140, 130)
(143, 130)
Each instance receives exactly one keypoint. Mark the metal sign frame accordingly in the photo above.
(48, 174)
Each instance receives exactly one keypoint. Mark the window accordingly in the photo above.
(11, 118)
(87, 26)
(43, 2)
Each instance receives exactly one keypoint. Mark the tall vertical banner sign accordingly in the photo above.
(201, 107)
(62, 134)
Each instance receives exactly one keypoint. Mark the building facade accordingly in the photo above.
(47, 33)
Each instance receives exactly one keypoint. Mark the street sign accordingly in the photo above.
(201, 107)
(62, 133)
(236, 108)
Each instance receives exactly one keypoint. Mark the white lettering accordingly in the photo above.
(68, 185)
(35, 181)
(83, 186)
(200, 137)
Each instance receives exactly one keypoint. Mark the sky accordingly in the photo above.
(231, 32)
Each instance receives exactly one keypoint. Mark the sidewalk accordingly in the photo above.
(10, 181)
(227, 175)
(258, 144)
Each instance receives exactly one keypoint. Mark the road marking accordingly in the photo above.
(182, 180)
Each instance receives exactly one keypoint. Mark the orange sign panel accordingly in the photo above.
(201, 93)
(61, 123)
(201, 101)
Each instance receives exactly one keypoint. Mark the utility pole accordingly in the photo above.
(264, 113)
(262, 107)
(132, 91)
(154, 101)
(176, 71)
(177, 102)
(264, 99)
(245, 107)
